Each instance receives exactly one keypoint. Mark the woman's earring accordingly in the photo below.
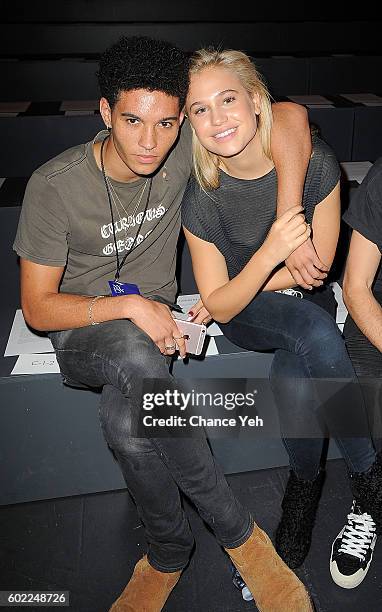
(108, 127)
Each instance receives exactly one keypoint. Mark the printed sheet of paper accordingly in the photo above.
(213, 329)
(356, 171)
(13, 108)
(44, 363)
(79, 105)
(186, 302)
(341, 308)
(78, 113)
(311, 99)
(368, 99)
(22, 341)
(212, 349)
(319, 105)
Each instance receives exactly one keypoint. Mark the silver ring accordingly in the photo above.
(170, 347)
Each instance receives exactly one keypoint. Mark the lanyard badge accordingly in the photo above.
(117, 288)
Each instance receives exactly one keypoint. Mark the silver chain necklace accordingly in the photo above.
(109, 196)
(117, 199)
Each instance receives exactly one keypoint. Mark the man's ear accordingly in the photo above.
(105, 110)
(182, 116)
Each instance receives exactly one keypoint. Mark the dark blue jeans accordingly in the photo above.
(117, 356)
(308, 349)
(367, 363)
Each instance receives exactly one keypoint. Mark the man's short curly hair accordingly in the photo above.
(139, 62)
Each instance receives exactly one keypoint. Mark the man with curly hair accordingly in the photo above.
(106, 214)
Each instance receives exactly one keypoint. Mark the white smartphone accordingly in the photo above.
(194, 335)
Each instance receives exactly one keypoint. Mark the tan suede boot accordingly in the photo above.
(147, 590)
(273, 585)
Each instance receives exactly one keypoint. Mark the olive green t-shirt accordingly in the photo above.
(66, 221)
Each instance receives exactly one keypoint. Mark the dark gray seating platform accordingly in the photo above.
(50, 439)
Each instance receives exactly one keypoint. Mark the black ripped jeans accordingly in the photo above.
(117, 356)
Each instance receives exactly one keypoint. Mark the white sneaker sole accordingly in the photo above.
(349, 582)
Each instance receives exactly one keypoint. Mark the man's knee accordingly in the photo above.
(130, 356)
(119, 423)
(146, 359)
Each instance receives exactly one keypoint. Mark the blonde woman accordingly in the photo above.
(238, 251)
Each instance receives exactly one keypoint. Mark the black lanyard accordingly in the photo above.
(133, 246)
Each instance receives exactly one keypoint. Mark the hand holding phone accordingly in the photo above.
(194, 335)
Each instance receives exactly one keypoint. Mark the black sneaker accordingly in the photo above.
(353, 548)
(240, 584)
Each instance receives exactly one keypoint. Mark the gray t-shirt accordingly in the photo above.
(237, 216)
(66, 221)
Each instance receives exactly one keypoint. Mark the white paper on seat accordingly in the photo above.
(78, 113)
(186, 302)
(44, 363)
(368, 99)
(356, 171)
(330, 105)
(341, 308)
(311, 99)
(23, 341)
(79, 105)
(13, 107)
(212, 349)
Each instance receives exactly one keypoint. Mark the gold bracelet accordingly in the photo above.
(93, 301)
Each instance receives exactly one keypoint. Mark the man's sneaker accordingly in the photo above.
(352, 550)
(240, 584)
(294, 292)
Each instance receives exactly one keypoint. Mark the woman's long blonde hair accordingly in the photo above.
(206, 164)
